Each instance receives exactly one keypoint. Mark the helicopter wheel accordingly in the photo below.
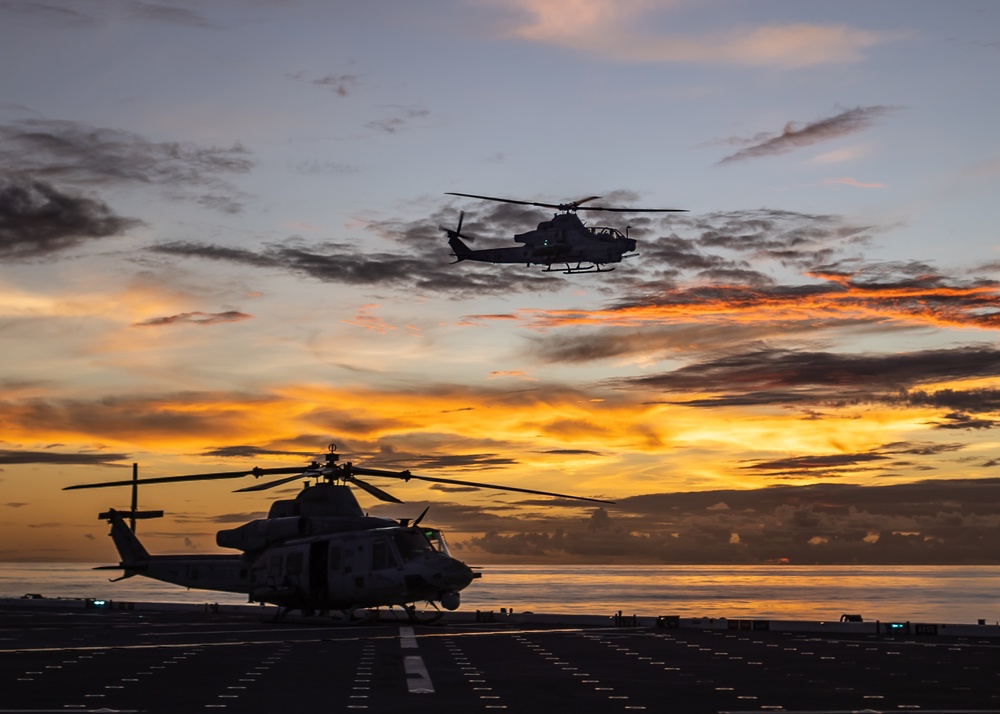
(419, 619)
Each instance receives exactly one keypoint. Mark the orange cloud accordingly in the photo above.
(931, 304)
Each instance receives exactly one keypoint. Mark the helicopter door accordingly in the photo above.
(318, 558)
(342, 581)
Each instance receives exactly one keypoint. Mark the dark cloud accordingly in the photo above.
(947, 522)
(794, 136)
(249, 452)
(74, 152)
(340, 84)
(959, 420)
(48, 13)
(95, 14)
(12, 456)
(402, 118)
(195, 318)
(37, 219)
(788, 376)
(229, 518)
(574, 452)
(812, 463)
(336, 263)
(166, 15)
(130, 417)
(801, 240)
(961, 400)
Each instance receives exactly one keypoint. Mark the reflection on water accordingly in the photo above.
(887, 593)
(932, 594)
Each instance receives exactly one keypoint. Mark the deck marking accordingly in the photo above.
(418, 681)
(407, 638)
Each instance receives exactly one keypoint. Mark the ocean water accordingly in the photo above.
(936, 594)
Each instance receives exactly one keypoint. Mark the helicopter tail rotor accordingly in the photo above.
(455, 239)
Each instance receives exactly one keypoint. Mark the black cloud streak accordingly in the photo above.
(801, 240)
(928, 522)
(838, 465)
(166, 15)
(10, 456)
(794, 137)
(772, 375)
(74, 152)
(195, 318)
(101, 13)
(38, 219)
(334, 263)
(341, 84)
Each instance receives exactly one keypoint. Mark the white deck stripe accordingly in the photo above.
(407, 638)
(418, 681)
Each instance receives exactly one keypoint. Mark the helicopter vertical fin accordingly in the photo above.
(458, 247)
(455, 242)
(129, 548)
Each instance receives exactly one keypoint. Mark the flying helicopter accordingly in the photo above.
(318, 552)
(562, 240)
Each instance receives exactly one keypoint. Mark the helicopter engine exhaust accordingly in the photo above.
(451, 600)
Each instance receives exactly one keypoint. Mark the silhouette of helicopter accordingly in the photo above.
(318, 552)
(562, 240)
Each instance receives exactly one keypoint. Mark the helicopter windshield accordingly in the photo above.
(437, 540)
(603, 233)
(412, 543)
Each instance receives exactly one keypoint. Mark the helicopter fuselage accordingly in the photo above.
(563, 239)
(317, 552)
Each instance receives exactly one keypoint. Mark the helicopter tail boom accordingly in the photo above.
(458, 246)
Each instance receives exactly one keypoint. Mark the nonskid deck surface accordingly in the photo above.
(149, 661)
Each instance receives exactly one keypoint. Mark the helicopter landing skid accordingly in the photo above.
(570, 270)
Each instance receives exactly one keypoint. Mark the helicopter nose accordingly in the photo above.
(456, 575)
(630, 244)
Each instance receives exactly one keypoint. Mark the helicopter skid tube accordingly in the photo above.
(568, 270)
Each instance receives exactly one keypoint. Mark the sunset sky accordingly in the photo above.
(220, 245)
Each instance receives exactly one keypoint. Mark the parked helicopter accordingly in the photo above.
(562, 240)
(318, 552)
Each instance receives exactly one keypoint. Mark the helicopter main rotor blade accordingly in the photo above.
(256, 472)
(271, 484)
(572, 206)
(406, 476)
(631, 210)
(374, 491)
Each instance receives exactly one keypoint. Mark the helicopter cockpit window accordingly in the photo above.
(412, 543)
(437, 540)
(383, 556)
